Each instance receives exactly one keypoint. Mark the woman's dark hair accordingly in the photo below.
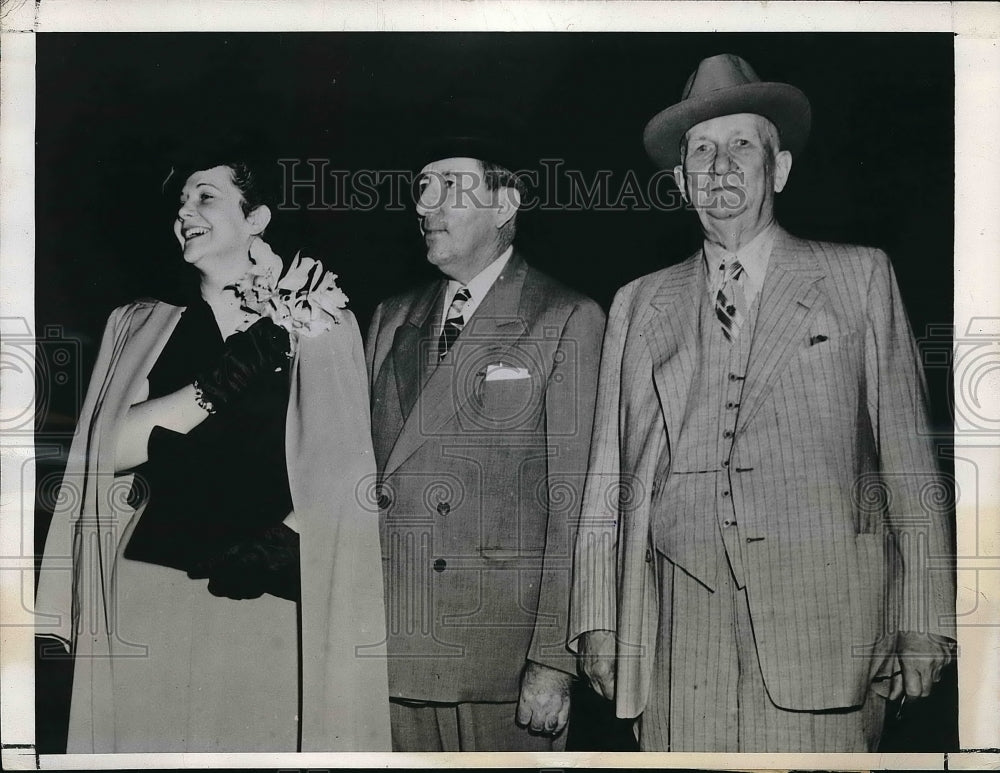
(248, 181)
(255, 171)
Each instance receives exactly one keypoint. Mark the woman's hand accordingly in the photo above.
(261, 348)
(267, 562)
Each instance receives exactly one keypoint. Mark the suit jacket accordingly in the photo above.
(328, 448)
(832, 474)
(478, 478)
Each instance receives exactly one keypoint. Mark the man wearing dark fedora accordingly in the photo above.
(483, 391)
(763, 576)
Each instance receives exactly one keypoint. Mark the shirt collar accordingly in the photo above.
(754, 257)
(479, 285)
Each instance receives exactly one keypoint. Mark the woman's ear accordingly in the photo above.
(258, 219)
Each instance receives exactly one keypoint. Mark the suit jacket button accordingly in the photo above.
(443, 508)
(384, 500)
(649, 555)
(440, 564)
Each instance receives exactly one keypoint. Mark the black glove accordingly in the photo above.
(267, 562)
(262, 348)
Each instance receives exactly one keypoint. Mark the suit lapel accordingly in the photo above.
(673, 338)
(788, 300)
(414, 349)
(456, 379)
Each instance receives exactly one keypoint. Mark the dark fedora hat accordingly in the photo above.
(486, 147)
(463, 127)
(724, 85)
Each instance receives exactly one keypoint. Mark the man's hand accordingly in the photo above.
(597, 661)
(544, 703)
(922, 657)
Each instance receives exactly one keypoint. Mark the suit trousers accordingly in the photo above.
(464, 727)
(707, 693)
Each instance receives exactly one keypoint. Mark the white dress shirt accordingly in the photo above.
(754, 258)
(477, 287)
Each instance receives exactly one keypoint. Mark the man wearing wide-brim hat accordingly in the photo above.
(757, 585)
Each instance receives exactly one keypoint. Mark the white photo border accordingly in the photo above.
(976, 294)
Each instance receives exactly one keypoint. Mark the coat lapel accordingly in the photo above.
(455, 380)
(673, 338)
(788, 301)
(414, 349)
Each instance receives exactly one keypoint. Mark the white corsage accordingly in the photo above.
(304, 300)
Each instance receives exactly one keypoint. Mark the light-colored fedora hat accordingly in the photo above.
(724, 85)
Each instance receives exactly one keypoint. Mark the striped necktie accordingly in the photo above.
(454, 323)
(730, 301)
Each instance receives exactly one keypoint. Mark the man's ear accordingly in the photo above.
(679, 179)
(508, 202)
(258, 219)
(782, 168)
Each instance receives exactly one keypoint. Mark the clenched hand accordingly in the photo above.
(922, 657)
(597, 661)
(544, 703)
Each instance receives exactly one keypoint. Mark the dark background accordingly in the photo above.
(878, 170)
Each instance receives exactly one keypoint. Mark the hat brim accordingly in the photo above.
(487, 149)
(782, 104)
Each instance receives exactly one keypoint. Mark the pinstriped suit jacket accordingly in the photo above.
(838, 509)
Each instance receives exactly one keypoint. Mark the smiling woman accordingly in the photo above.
(198, 617)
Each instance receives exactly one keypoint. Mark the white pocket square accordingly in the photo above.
(503, 372)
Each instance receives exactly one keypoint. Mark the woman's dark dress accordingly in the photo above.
(227, 478)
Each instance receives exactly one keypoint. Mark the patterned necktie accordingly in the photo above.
(454, 323)
(730, 302)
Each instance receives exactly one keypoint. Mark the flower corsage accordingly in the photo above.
(304, 299)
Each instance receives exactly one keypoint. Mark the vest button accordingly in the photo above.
(727, 434)
(728, 522)
(443, 508)
(725, 462)
(730, 405)
(440, 565)
(725, 493)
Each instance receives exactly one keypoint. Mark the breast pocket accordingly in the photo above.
(825, 382)
(833, 363)
(511, 405)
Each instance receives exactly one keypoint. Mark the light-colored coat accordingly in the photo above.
(344, 697)
(479, 478)
(837, 493)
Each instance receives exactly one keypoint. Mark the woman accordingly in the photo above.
(226, 592)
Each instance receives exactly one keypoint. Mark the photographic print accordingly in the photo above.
(565, 389)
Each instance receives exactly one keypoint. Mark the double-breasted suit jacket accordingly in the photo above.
(481, 460)
(832, 475)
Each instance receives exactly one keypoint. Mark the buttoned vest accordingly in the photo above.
(693, 519)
